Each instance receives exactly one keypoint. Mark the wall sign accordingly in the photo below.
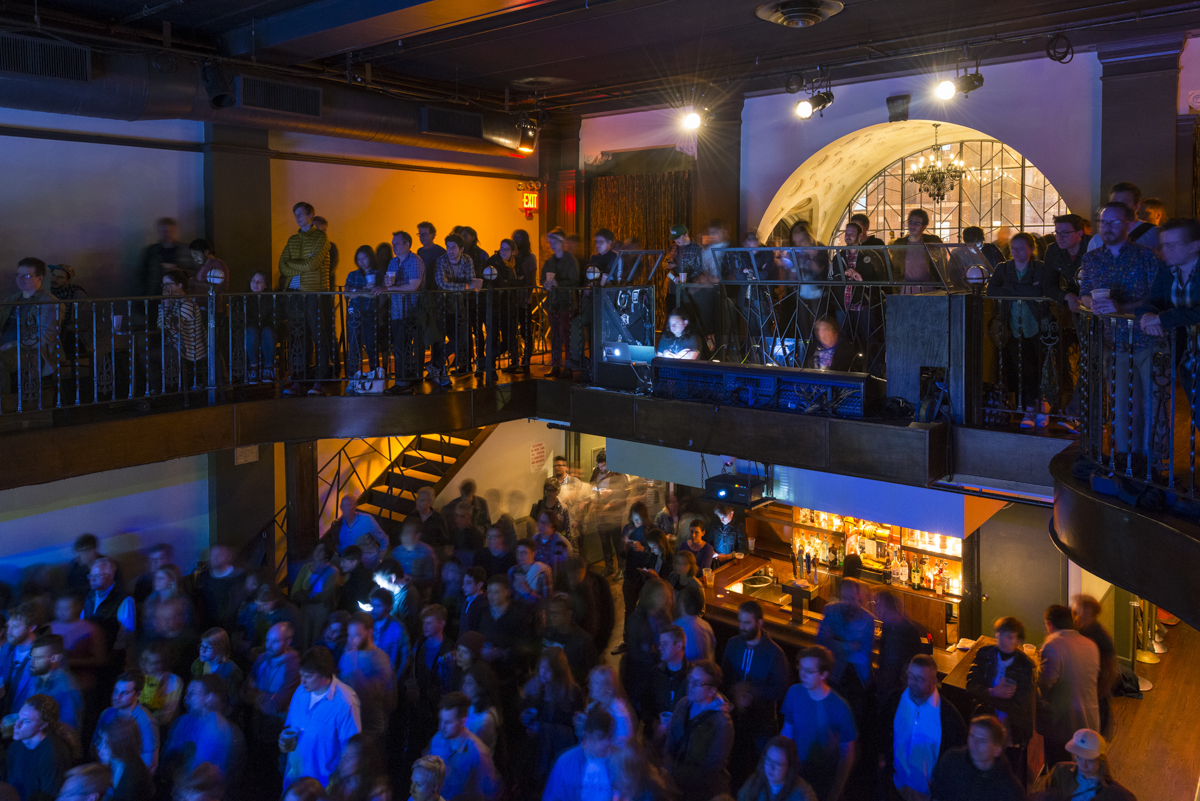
(537, 457)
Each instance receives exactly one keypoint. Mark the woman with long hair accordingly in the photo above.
(778, 775)
(167, 587)
(638, 558)
(526, 270)
(605, 691)
(118, 746)
(548, 706)
(503, 333)
(362, 325)
(483, 718)
(662, 555)
(360, 775)
(634, 776)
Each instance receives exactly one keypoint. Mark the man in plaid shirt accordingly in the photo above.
(1122, 272)
(456, 273)
(405, 275)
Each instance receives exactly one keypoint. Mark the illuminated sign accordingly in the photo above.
(529, 200)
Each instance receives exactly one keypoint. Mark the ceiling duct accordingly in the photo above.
(45, 58)
(170, 86)
(798, 13)
(276, 96)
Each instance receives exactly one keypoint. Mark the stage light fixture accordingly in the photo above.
(527, 134)
(898, 108)
(691, 121)
(962, 84)
(813, 105)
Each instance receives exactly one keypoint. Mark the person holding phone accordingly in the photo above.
(1001, 680)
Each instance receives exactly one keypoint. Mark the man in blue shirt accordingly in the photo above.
(126, 703)
(1116, 279)
(582, 773)
(404, 278)
(848, 631)
(821, 725)
(470, 772)
(354, 524)
(368, 670)
(323, 716)
(48, 662)
(389, 634)
(268, 689)
(203, 734)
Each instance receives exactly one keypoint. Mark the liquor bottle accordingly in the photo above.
(795, 566)
(939, 581)
(903, 570)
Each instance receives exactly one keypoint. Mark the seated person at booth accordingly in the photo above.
(829, 350)
(679, 341)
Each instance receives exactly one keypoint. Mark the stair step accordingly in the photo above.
(449, 446)
(414, 460)
(436, 457)
(409, 481)
(396, 503)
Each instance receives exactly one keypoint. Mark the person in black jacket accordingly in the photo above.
(1001, 682)
(976, 773)
(756, 680)
(929, 726)
(118, 746)
(863, 306)
(700, 736)
(1023, 322)
(900, 639)
(591, 601)
(1159, 314)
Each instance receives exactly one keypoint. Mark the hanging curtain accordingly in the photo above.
(643, 206)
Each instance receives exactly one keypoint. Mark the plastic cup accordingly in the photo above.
(370, 279)
(1101, 294)
(7, 724)
(389, 279)
(709, 578)
(739, 555)
(288, 738)
(751, 541)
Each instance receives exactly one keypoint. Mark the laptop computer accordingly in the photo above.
(624, 352)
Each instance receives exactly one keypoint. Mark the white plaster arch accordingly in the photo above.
(827, 181)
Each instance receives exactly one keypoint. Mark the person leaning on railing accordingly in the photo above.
(1116, 279)
(1174, 301)
(1025, 276)
(404, 278)
(455, 273)
(31, 273)
(912, 262)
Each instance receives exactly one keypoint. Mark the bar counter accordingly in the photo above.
(722, 604)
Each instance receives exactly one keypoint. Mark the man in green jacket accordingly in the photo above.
(304, 267)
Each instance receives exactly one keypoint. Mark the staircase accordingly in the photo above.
(430, 460)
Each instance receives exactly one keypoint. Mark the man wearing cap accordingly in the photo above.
(551, 503)
(560, 274)
(1087, 778)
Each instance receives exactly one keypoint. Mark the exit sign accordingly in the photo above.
(529, 200)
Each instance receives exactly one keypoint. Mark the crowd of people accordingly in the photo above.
(414, 311)
(470, 659)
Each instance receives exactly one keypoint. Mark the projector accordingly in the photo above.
(736, 489)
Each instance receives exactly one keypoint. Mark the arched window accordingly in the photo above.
(1001, 188)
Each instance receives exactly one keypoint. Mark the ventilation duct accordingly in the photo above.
(44, 58)
(167, 86)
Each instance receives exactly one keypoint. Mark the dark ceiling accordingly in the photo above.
(590, 53)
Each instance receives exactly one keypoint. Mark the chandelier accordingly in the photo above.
(936, 179)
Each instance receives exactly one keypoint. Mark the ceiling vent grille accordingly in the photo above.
(43, 58)
(445, 122)
(274, 96)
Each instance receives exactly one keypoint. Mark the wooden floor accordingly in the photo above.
(1155, 745)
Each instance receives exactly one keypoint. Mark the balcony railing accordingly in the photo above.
(1138, 403)
(764, 309)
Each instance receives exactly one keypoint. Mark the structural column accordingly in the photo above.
(562, 180)
(303, 503)
(241, 494)
(717, 186)
(237, 199)
(1139, 116)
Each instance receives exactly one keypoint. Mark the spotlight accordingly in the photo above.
(815, 104)
(527, 135)
(691, 121)
(964, 84)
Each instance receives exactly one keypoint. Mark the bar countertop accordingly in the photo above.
(722, 603)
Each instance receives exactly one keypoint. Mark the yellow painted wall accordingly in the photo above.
(364, 205)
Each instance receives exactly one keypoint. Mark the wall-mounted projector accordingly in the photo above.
(736, 489)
